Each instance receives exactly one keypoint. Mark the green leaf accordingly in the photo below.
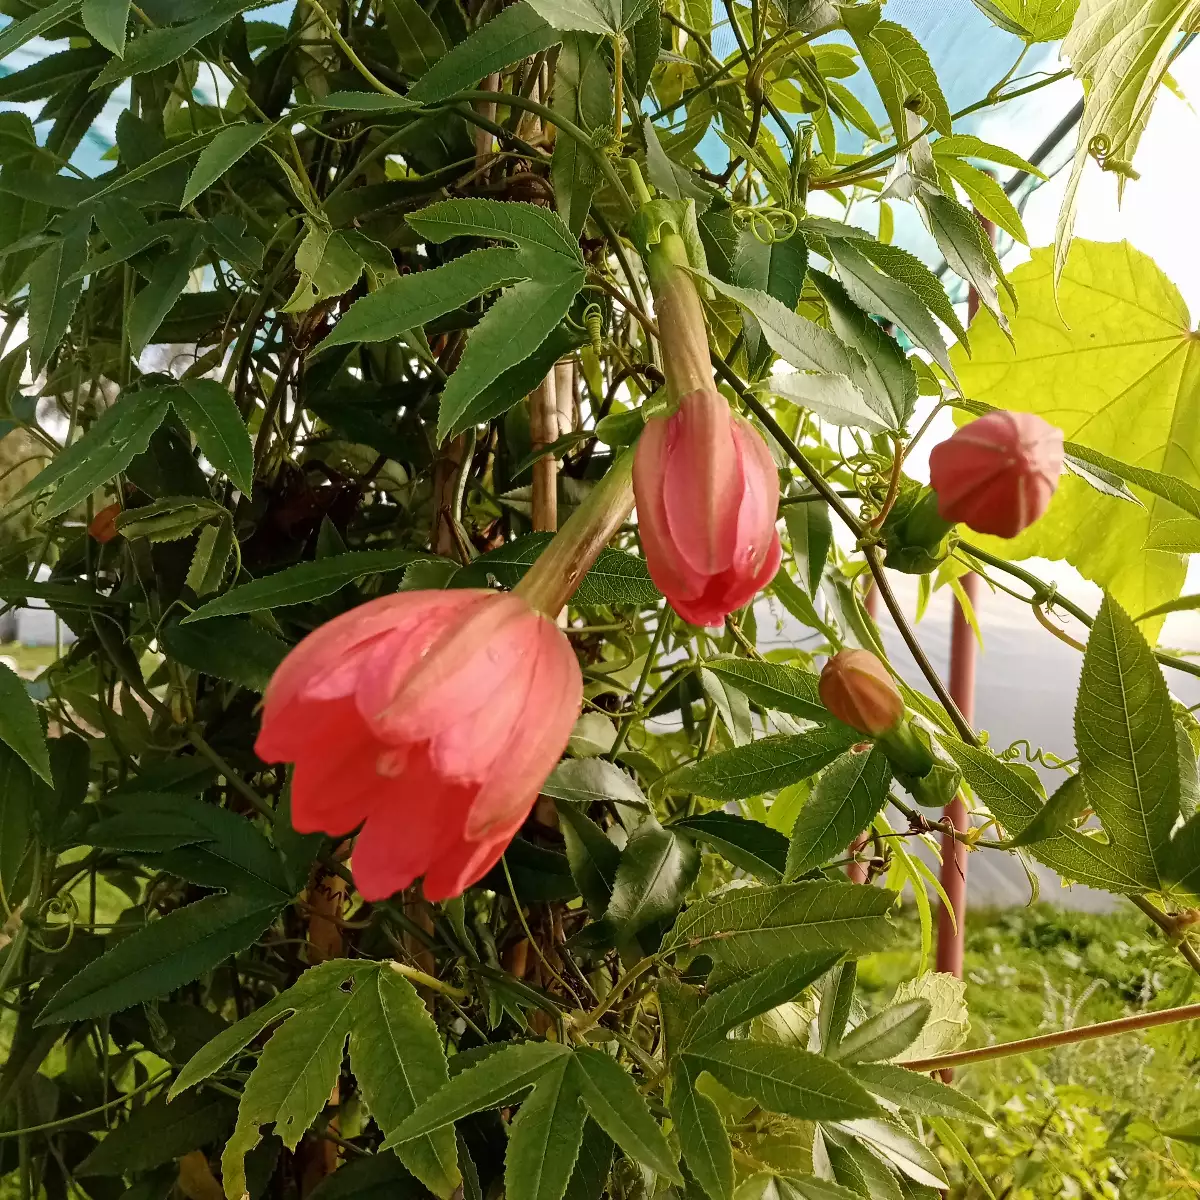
(987, 197)
(1180, 536)
(370, 1177)
(608, 17)
(159, 1132)
(968, 252)
(163, 955)
(750, 845)
(301, 583)
(843, 803)
(784, 1079)
(759, 992)
(837, 999)
(52, 295)
(294, 1074)
(18, 819)
(120, 434)
(227, 648)
(151, 305)
(414, 299)
(309, 988)
(147, 832)
(594, 858)
(702, 1137)
(1117, 308)
(1056, 815)
(514, 33)
(762, 766)
(593, 1164)
(893, 1141)
(657, 868)
(397, 1056)
(106, 21)
(16, 33)
(1030, 20)
(753, 927)
(500, 1077)
(967, 145)
(885, 1035)
(544, 1139)
(917, 1093)
(585, 780)
(418, 42)
(230, 145)
(212, 416)
(1014, 797)
(774, 685)
(834, 398)
(881, 293)
(906, 268)
(949, 1022)
(536, 232)
(810, 531)
(20, 728)
(617, 1106)
(1120, 52)
(1126, 738)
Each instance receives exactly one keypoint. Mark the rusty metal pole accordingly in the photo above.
(963, 651)
(857, 872)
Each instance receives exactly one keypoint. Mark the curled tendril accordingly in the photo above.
(1099, 147)
(1023, 748)
(769, 223)
(60, 907)
(593, 320)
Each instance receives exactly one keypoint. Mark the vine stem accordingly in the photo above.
(429, 981)
(1170, 926)
(65, 1122)
(1049, 1041)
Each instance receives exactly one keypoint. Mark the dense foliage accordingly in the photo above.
(365, 304)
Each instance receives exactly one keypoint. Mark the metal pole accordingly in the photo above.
(856, 872)
(952, 930)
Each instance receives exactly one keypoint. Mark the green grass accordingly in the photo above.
(1086, 1120)
(30, 660)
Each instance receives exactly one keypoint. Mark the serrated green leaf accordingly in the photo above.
(514, 33)
(617, 1106)
(397, 1057)
(162, 956)
(949, 1022)
(302, 583)
(146, 832)
(1031, 20)
(15, 34)
(18, 819)
(1054, 817)
(169, 520)
(294, 1075)
(987, 197)
(585, 780)
(965, 246)
(106, 21)
(762, 766)
(750, 845)
(784, 1079)
(212, 416)
(810, 531)
(1126, 739)
(230, 145)
(702, 1137)
(153, 302)
(892, 1141)
(593, 857)
(836, 399)
(227, 648)
(53, 295)
(416, 298)
(501, 1076)
(608, 17)
(848, 794)
(884, 1035)
(20, 728)
(917, 1093)
(159, 1132)
(758, 993)
(544, 1139)
(905, 267)
(967, 145)
(878, 292)
(750, 928)
(418, 42)
(656, 870)
(592, 1166)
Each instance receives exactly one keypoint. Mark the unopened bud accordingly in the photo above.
(857, 688)
(103, 526)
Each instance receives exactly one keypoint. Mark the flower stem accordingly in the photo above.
(428, 981)
(553, 578)
(682, 332)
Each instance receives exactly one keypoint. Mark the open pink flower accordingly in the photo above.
(431, 718)
(997, 474)
(707, 498)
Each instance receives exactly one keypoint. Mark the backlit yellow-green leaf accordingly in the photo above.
(1119, 371)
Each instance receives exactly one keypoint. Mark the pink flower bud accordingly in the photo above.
(707, 498)
(858, 689)
(997, 474)
(431, 719)
(103, 525)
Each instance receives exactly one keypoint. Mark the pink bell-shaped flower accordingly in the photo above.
(707, 497)
(997, 474)
(431, 719)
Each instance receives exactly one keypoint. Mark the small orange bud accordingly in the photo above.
(104, 524)
(857, 688)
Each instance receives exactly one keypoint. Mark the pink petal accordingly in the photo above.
(703, 483)
(465, 864)
(336, 785)
(759, 509)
